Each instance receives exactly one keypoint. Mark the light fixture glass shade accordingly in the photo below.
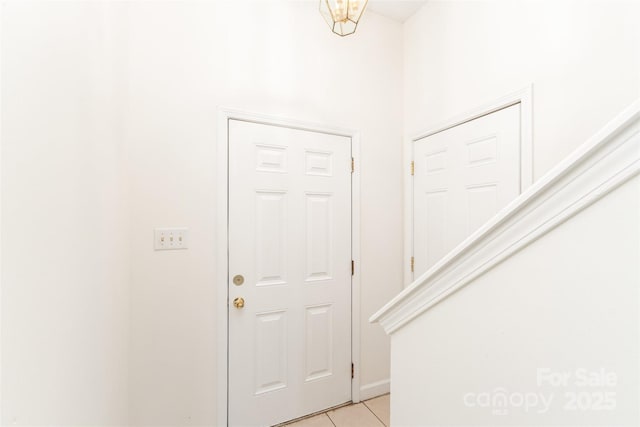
(342, 15)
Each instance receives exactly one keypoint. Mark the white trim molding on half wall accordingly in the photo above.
(604, 162)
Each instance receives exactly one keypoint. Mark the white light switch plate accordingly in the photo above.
(170, 238)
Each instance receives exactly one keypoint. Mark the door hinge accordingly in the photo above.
(413, 263)
(413, 168)
(353, 371)
(353, 267)
(353, 165)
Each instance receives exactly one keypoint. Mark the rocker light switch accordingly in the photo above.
(170, 238)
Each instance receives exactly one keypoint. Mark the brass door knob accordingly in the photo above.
(238, 302)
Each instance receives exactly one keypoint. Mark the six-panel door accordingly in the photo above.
(290, 240)
(463, 176)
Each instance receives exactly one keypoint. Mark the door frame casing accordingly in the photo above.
(524, 97)
(222, 236)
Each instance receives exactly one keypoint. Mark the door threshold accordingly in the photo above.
(295, 420)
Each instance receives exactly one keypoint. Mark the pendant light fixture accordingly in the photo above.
(342, 15)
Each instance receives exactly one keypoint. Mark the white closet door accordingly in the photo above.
(463, 176)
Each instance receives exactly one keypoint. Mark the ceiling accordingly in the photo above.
(399, 10)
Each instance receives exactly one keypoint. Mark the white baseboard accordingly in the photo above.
(375, 389)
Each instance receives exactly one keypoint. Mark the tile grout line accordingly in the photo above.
(311, 415)
(330, 420)
(364, 403)
(374, 414)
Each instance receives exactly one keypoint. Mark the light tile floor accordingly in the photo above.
(370, 413)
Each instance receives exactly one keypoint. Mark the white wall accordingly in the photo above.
(187, 59)
(65, 295)
(578, 309)
(581, 56)
(109, 130)
(568, 301)
(92, 162)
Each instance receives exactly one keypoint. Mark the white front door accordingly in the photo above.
(290, 261)
(462, 177)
